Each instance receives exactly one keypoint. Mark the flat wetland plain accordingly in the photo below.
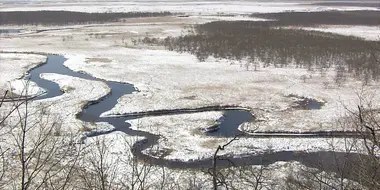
(287, 77)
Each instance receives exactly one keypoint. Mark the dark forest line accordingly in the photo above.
(68, 17)
(369, 18)
(348, 4)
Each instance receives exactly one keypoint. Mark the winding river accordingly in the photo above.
(233, 118)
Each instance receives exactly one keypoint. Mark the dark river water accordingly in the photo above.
(232, 119)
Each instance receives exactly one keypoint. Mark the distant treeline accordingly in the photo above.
(277, 47)
(68, 17)
(349, 4)
(370, 18)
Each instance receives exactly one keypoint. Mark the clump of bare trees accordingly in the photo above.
(34, 154)
(237, 40)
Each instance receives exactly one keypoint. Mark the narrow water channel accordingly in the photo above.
(232, 119)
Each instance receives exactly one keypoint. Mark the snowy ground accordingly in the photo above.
(50, 122)
(168, 80)
(13, 67)
(188, 7)
(118, 159)
(188, 143)
(64, 108)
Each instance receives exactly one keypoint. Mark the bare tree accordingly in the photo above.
(218, 178)
(141, 169)
(368, 125)
(235, 177)
(4, 166)
(44, 159)
(99, 166)
(359, 165)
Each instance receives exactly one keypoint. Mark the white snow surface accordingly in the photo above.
(230, 18)
(78, 92)
(58, 113)
(188, 143)
(13, 67)
(19, 86)
(189, 7)
(118, 158)
(169, 80)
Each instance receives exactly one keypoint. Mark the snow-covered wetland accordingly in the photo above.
(138, 91)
